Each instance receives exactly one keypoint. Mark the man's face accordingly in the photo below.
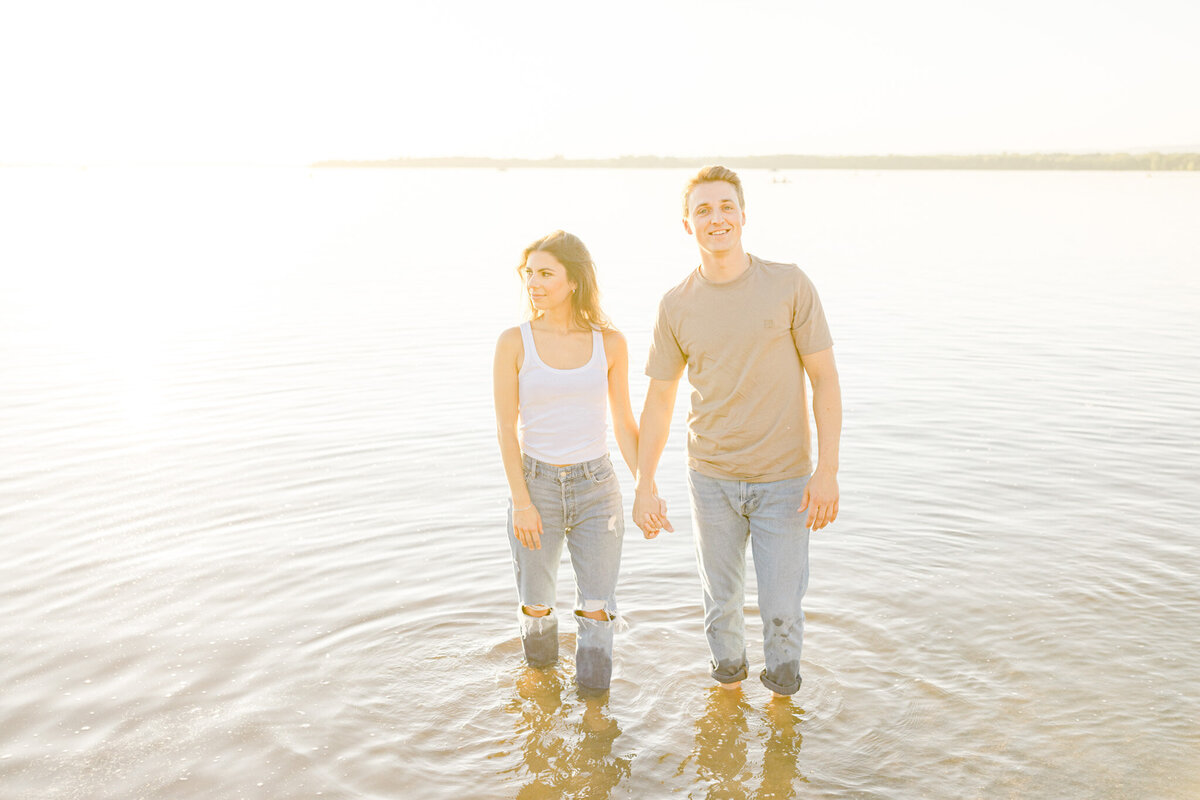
(714, 216)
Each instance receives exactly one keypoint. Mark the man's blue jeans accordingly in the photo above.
(725, 514)
(580, 505)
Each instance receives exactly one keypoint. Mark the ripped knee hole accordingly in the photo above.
(599, 614)
(536, 611)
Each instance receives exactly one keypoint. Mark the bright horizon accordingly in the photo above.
(256, 82)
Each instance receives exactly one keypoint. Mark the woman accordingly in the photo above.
(552, 378)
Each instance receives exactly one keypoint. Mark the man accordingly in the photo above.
(747, 330)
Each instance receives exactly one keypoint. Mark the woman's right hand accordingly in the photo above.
(527, 525)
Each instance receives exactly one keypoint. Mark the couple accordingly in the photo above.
(747, 330)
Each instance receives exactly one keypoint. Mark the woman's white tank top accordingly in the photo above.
(563, 411)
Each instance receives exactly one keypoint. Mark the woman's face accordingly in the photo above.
(546, 281)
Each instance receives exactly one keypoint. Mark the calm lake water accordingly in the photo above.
(252, 509)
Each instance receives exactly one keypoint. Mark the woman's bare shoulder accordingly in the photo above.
(614, 344)
(510, 336)
(510, 342)
(613, 336)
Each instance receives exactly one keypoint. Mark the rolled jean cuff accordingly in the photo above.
(780, 688)
(729, 673)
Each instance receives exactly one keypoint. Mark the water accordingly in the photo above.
(252, 509)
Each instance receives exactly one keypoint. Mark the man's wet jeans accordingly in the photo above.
(725, 514)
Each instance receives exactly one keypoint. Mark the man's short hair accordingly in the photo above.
(712, 174)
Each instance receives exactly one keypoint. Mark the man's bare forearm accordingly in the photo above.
(827, 413)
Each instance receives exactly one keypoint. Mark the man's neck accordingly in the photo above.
(724, 267)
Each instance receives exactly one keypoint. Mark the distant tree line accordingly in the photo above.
(1028, 161)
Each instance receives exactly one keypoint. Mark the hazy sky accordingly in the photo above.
(296, 82)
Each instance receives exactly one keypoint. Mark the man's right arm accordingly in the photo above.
(655, 427)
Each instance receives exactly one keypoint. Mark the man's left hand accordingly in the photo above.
(821, 500)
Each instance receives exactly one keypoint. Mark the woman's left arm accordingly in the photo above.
(625, 427)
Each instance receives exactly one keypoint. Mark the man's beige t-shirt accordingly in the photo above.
(743, 343)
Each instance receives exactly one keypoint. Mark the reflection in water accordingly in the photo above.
(781, 768)
(721, 750)
(566, 746)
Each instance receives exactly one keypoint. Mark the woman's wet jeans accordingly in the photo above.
(580, 504)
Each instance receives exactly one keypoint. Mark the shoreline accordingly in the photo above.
(1115, 162)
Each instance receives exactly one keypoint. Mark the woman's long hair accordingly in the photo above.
(581, 271)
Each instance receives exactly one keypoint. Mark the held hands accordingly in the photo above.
(527, 523)
(650, 513)
(821, 500)
(527, 526)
